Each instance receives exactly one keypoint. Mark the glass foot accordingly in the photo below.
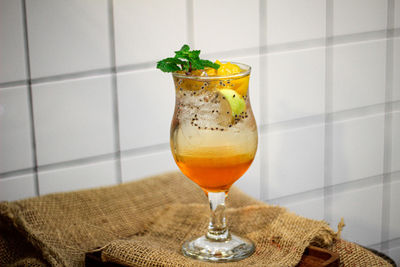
(233, 249)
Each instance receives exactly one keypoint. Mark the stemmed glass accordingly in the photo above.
(214, 141)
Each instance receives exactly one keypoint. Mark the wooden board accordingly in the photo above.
(315, 256)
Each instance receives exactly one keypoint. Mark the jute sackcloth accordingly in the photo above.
(144, 223)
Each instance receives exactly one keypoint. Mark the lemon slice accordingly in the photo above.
(235, 100)
(232, 106)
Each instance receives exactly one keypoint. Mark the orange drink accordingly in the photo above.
(214, 172)
(213, 140)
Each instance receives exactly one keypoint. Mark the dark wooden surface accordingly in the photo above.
(314, 256)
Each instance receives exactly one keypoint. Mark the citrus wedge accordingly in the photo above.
(231, 106)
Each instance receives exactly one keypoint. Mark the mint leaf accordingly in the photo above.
(169, 64)
(196, 64)
(185, 48)
(183, 53)
(194, 54)
(208, 63)
(185, 60)
(172, 60)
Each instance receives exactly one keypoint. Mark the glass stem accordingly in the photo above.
(217, 230)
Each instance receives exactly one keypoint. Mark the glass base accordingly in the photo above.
(234, 249)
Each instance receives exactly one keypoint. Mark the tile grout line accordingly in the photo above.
(263, 129)
(260, 51)
(387, 142)
(13, 84)
(328, 140)
(20, 172)
(344, 187)
(317, 119)
(114, 88)
(89, 160)
(30, 99)
(190, 22)
(78, 162)
(338, 40)
(338, 116)
(263, 169)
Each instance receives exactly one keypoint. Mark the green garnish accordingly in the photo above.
(185, 60)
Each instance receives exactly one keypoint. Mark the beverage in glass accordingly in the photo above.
(214, 141)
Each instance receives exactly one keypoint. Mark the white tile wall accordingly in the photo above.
(357, 148)
(211, 24)
(361, 209)
(141, 166)
(73, 119)
(394, 228)
(17, 187)
(395, 155)
(359, 74)
(15, 133)
(397, 13)
(291, 21)
(355, 16)
(295, 160)
(396, 69)
(307, 206)
(146, 105)
(67, 36)
(139, 40)
(78, 177)
(295, 85)
(12, 52)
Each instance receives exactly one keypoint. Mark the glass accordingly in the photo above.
(214, 141)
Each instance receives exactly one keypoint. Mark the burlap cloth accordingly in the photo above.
(144, 223)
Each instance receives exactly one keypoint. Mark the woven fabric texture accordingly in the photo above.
(144, 223)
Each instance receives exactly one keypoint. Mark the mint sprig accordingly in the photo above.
(185, 60)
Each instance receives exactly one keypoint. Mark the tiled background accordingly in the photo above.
(81, 104)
